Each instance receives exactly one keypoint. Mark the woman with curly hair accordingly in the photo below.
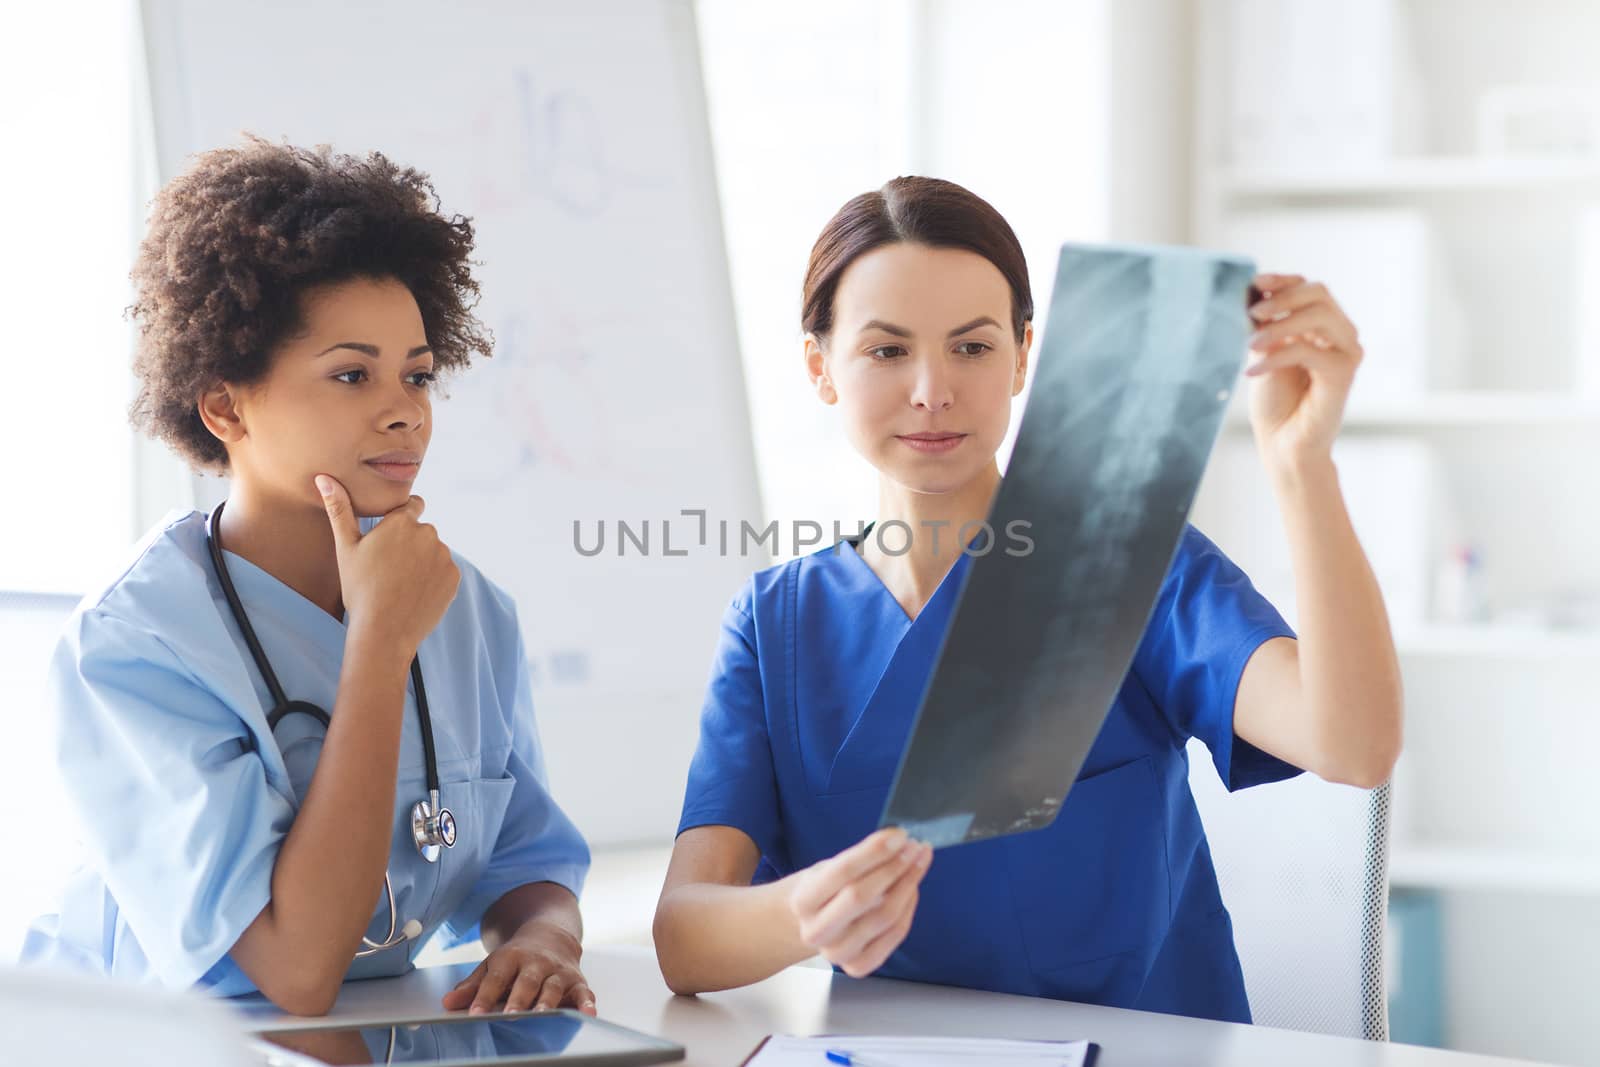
(294, 308)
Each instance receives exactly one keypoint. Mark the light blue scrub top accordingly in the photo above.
(813, 692)
(182, 795)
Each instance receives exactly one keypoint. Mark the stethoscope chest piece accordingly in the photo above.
(432, 827)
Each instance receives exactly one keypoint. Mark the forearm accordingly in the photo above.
(711, 937)
(1350, 696)
(538, 902)
(330, 867)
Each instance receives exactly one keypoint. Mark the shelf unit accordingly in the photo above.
(1498, 642)
(1467, 409)
(1519, 467)
(1492, 440)
(1487, 870)
(1401, 177)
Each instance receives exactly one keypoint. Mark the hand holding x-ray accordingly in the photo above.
(1304, 354)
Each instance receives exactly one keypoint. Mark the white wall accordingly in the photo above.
(46, 840)
(808, 106)
(1068, 115)
(68, 194)
(71, 200)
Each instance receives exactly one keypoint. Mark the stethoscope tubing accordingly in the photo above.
(283, 706)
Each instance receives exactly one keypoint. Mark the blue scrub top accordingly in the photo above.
(813, 692)
(182, 795)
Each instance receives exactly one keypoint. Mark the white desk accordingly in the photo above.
(720, 1029)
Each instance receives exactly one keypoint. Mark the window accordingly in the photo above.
(71, 215)
(812, 105)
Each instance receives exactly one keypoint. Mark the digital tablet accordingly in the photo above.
(461, 1040)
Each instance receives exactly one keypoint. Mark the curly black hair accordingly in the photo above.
(237, 239)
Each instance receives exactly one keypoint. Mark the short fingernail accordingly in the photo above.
(324, 484)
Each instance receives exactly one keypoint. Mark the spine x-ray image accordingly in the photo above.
(1134, 373)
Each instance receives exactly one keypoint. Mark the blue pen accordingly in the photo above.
(850, 1059)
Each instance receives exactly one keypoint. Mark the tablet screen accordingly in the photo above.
(561, 1037)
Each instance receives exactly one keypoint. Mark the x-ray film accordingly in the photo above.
(1134, 373)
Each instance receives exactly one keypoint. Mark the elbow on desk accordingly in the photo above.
(666, 957)
(669, 956)
(300, 997)
(295, 981)
(678, 986)
(300, 970)
(683, 986)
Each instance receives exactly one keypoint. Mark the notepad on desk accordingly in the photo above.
(786, 1051)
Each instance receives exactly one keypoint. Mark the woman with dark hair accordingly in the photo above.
(918, 326)
(243, 714)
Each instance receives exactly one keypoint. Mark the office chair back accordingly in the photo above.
(1304, 870)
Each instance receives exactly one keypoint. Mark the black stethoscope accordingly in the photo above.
(433, 828)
